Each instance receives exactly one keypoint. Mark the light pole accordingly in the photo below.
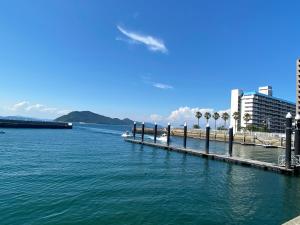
(297, 135)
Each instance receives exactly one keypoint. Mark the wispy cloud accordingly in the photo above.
(26, 108)
(152, 43)
(162, 86)
(148, 80)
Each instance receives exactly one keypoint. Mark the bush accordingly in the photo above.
(257, 128)
(221, 128)
(195, 126)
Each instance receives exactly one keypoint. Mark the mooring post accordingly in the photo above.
(184, 135)
(134, 130)
(297, 135)
(155, 132)
(143, 131)
(207, 139)
(230, 141)
(288, 140)
(168, 135)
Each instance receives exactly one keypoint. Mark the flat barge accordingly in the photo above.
(34, 124)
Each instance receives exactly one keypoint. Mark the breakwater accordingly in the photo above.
(34, 124)
(265, 140)
(239, 138)
(150, 131)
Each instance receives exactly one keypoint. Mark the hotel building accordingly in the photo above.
(298, 86)
(264, 109)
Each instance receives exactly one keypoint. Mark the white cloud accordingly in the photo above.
(25, 108)
(147, 80)
(187, 114)
(34, 107)
(156, 118)
(19, 105)
(162, 86)
(152, 43)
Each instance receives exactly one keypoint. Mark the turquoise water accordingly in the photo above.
(89, 175)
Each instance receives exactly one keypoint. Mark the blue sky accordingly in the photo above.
(143, 59)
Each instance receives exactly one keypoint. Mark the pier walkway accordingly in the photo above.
(225, 158)
(295, 221)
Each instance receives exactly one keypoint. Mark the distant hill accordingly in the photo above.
(90, 117)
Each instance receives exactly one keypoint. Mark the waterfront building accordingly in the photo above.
(298, 86)
(266, 112)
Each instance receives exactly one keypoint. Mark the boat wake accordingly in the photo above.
(101, 130)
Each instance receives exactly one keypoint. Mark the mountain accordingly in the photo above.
(90, 117)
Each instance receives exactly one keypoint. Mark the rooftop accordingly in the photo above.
(268, 96)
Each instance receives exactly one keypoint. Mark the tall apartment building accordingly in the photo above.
(298, 86)
(264, 109)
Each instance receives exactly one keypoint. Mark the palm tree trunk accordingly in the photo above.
(235, 126)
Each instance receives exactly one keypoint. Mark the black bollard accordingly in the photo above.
(288, 140)
(143, 131)
(184, 135)
(155, 132)
(168, 135)
(207, 139)
(230, 141)
(134, 130)
(297, 135)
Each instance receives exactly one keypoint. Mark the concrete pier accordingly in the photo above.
(4, 123)
(295, 221)
(225, 158)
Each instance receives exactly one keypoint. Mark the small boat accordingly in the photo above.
(126, 134)
(2, 132)
(163, 138)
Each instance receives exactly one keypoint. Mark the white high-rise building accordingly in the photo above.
(298, 85)
(265, 110)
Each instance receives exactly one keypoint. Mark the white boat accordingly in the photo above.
(163, 138)
(126, 134)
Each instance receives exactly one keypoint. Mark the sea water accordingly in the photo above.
(90, 175)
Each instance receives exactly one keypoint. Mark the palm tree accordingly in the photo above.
(198, 115)
(207, 116)
(247, 118)
(216, 116)
(225, 117)
(236, 117)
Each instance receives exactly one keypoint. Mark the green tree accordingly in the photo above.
(236, 117)
(216, 116)
(198, 115)
(225, 117)
(207, 116)
(247, 118)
